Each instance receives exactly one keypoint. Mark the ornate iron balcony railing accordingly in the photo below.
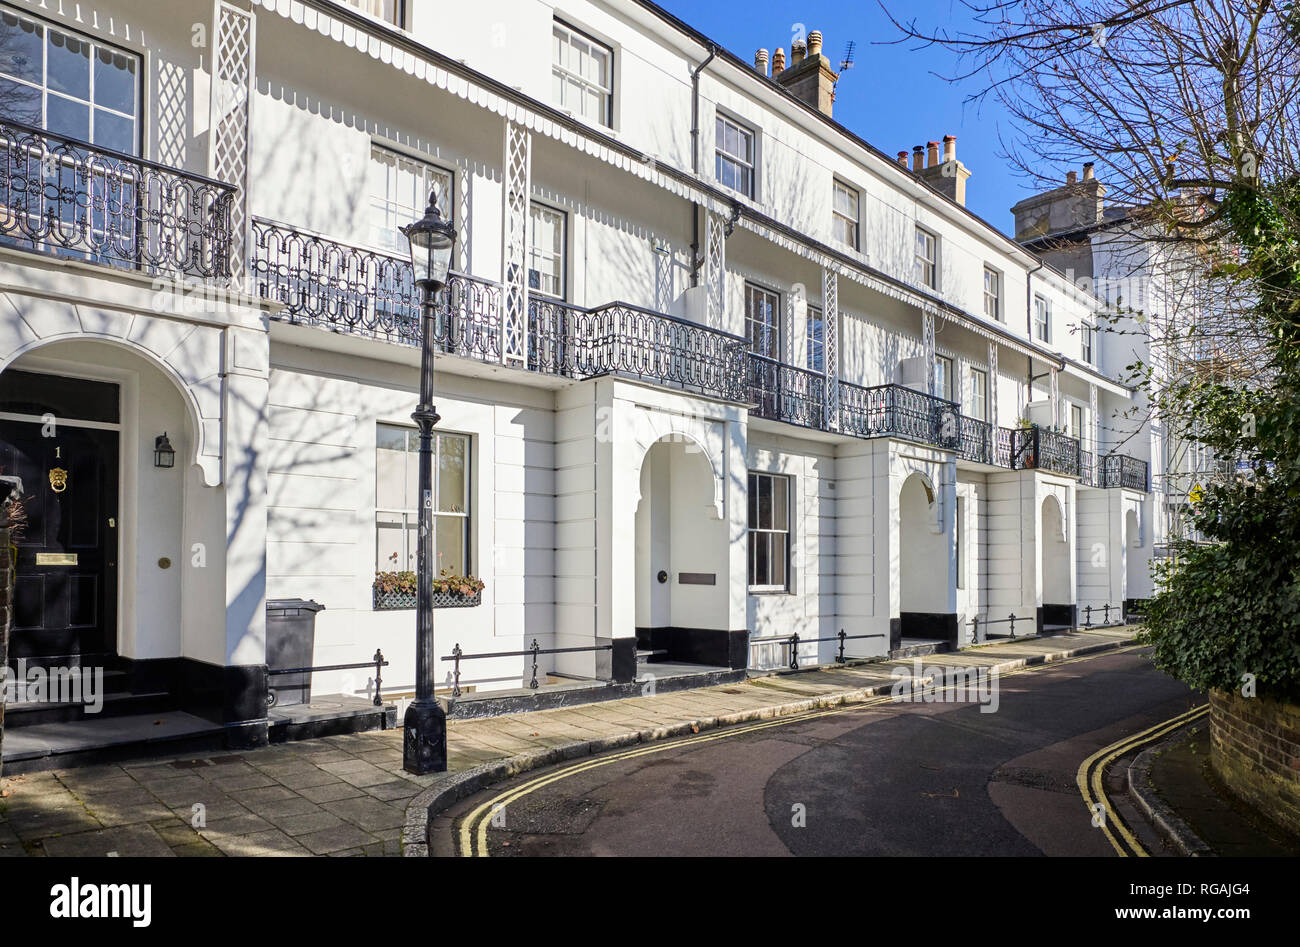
(785, 393)
(1121, 470)
(72, 199)
(898, 411)
(976, 440)
(364, 292)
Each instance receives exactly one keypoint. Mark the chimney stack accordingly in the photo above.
(918, 159)
(1071, 206)
(948, 176)
(760, 61)
(810, 77)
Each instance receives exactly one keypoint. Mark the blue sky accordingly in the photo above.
(891, 96)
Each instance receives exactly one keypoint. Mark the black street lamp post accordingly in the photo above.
(424, 745)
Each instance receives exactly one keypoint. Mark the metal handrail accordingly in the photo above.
(457, 655)
(795, 641)
(377, 662)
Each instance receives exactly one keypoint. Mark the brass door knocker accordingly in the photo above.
(58, 479)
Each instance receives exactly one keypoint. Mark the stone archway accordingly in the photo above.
(923, 554)
(1057, 609)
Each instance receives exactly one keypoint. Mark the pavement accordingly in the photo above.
(348, 795)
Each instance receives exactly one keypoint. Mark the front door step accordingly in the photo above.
(94, 740)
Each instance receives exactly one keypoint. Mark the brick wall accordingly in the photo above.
(1255, 750)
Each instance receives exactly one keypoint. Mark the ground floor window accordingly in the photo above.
(769, 532)
(397, 505)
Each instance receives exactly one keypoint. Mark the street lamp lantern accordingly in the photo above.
(431, 239)
(424, 743)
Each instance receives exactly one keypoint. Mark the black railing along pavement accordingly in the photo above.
(794, 641)
(377, 662)
(457, 655)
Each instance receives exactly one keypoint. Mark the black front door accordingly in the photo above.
(65, 587)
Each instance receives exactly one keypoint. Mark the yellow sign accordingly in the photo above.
(1197, 494)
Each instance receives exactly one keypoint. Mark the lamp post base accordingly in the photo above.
(424, 743)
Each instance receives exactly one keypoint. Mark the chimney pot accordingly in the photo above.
(1088, 173)
(1071, 177)
(797, 51)
(760, 61)
(918, 158)
(815, 43)
(949, 148)
(902, 158)
(778, 61)
(931, 154)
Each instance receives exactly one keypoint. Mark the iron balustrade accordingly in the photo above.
(785, 393)
(976, 442)
(377, 662)
(1121, 470)
(1009, 620)
(1056, 451)
(534, 651)
(1105, 609)
(323, 282)
(72, 199)
(898, 411)
(650, 346)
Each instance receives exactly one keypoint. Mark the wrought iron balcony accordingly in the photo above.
(1121, 470)
(76, 200)
(976, 440)
(785, 393)
(324, 282)
(898, 411)
(1038, 448)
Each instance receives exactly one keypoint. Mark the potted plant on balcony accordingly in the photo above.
(395, 590)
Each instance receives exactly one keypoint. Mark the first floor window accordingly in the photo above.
(397, 502)
(943, 376)
(979, 394)
(1042, 319)
(399, 192)
(763, 321)
(1076, 421)
(816, 341)
(390, 11)
(992, 293)
(769, 532)
(581, 74)
(927, 258)
(546, 248)
(734, 156)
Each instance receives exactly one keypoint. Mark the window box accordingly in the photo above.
(397, 590)
(395, 601)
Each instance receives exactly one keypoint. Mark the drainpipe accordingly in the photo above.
(695, 161)
(1029, 321)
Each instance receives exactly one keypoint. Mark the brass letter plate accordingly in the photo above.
(56, 558)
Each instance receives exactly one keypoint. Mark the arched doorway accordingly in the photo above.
(682, 575)
(1137, 577)
(926, 594)
(1058, 600)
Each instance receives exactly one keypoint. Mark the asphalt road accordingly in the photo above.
(891, 779)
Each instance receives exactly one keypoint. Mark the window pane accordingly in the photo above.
(453, 458)
(765, 503)
(449, 535)
(390, 478)
(753, 501)
(780, 503)
(20, 103)
(21, 42)
(762, 558)
(66, 117)
(114, 131)
(778, 560)
(68, 65)
(115, 81)
(390, 554)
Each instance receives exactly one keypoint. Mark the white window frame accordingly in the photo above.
(1088, 343)
(979, 399)
(774, 352)
(815, 342)
(410, 516)
(1076, 430)
(855, 222)
(393, 206)
(1042, 318)
(927, 268)
(993, 300)
(721, 155)
(397, 19)
(948, 363)
(535, 254)
(754, 481)
(561, 71)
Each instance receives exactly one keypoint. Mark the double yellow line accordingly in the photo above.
(1092, 773)
(474, 827)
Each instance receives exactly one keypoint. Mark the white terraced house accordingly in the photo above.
(713, 371)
